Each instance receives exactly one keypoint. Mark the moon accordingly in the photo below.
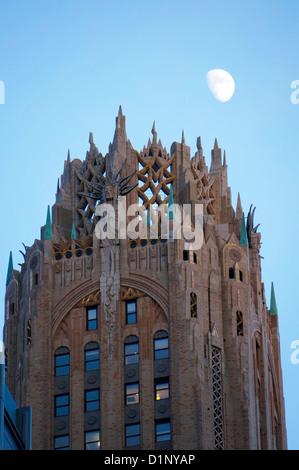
(221, 84)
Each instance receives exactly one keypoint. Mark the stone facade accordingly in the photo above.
(145, 343)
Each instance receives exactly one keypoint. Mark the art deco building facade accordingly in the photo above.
(144, 344)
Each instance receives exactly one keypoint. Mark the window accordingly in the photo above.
(92, 400)
(132, 435)
(231, 273)
(162, 430)
(132, 393)
(62, 405)
(131, 312)
(239, 318)
(62, 362)
(92, 320)
(92, 440)
(132, 353)
(92, 357)
(61, 442)
(36, 279)
(193, 305)
(161, 345)
(241, 276)
(161, 389)
(185, 255)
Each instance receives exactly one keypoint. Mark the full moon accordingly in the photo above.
(221, 84)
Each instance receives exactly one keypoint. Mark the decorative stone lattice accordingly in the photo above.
(217, 398)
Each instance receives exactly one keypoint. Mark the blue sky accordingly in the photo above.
(67, 66)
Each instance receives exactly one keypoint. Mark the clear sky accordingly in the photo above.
(67, 65)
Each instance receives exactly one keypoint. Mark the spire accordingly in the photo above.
(224, 158)
(48, 230)
(68, 156)
(239, 210)
(273, 306)
(243, 238)
(10, 268)
(73, 234)
(216, 158)
(120, 111)
(170, 203)
(183, 138)
(154, 132)
(199, 146)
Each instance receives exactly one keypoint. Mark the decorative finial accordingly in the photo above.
(273, 306)
(243, 238)
(216, 144)
(91, 138)
(10, 268)
(48, 230)
(183, 137)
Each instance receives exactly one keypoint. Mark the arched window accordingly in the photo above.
(92, 356)
(241, 276)
(62, 361)
(193, 305)
(161, 345)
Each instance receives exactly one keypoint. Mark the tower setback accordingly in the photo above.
(130, 341)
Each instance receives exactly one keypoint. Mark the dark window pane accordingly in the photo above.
(131, 307)
(132, 435)
(163, 431)
(131, 318)
(61, 443)
(62, 366)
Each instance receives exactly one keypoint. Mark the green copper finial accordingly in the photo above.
(148, 216)
(273, 306)
(10, 268)
(48, 230)
(73, 234)
(170, 203)
(243, 238)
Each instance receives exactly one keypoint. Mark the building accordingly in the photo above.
(15, 423)
(147, 343)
